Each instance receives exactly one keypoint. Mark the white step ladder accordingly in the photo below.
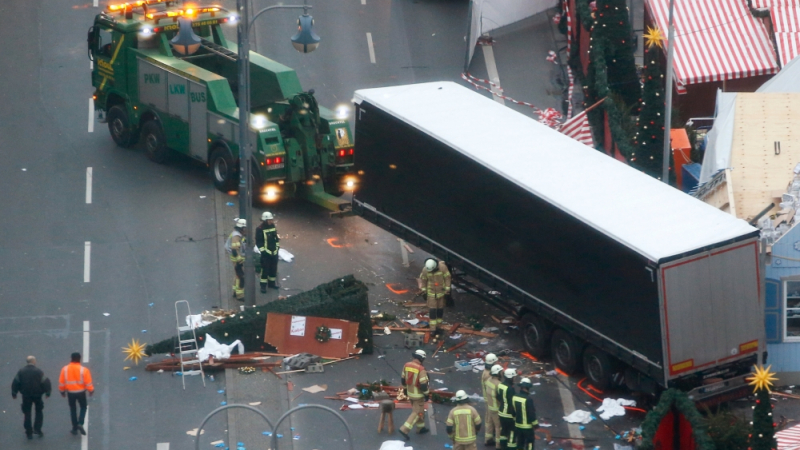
(187, 348)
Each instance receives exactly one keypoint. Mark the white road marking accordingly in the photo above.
(162, 446)
(91, 115)
(431, 419)
(94, 3)
(491, 68)
(569, 407)
(88, 185)
(85, 437)
(87, 261)
(91, 65)
(85, 356)
(371, 48)
(363, 2)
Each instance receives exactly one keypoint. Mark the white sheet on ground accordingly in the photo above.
(285, 255)
(614, 407)
(579, 416)
(196, 320)
(395, 445)
(219, 351)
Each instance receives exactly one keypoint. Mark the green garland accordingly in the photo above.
(323, 334)
(686, 407)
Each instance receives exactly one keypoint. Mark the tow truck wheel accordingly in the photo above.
(535, 335)
(222, 169)
(155, 144)
(598, 367)
(119, 127)
(566, 351)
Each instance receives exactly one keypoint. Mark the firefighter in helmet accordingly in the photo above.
(434, 282)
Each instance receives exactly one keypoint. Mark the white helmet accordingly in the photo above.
(241, 223)
(420, 353)
(266, 215)
(510, 373)
(430, 264)
(525, 382)
(460, 396)
(496, 369)
(491, 358)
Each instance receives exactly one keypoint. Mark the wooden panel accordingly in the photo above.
(757, 168)
(278, 335)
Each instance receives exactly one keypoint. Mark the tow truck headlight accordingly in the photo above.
(342, 112)
(259, 121)
(350, 183)
(270, 193)
(146, 32)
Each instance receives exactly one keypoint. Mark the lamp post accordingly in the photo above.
(305, 41)
(668, 89)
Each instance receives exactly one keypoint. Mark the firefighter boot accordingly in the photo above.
(273, 284)
(263, 288)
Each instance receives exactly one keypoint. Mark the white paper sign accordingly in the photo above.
(336, 333)
(298, 327)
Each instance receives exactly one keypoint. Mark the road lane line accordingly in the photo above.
(87, 261)
(568, 405)
(85, 437)
(91, 115)
(162, 446)
(371, 48)
(363, 2)
(94, 3)
(85, 357)
(491, 68)
(431, 419)
(88, 185)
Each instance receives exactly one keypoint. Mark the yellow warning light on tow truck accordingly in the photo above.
(136, 4)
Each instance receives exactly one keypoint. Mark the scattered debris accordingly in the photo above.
(316, 388)
(193, 432)
(614, 407)
(579, 416)
(254, 403)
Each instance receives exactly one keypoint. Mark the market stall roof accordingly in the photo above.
(786, 80)
(715, 40)
(785, 15)
(635, 209)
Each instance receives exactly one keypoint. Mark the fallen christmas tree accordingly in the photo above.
(343, 298)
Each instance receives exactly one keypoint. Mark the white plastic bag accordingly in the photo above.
(219, 351)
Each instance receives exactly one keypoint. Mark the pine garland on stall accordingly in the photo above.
(763, 437)
(649, 139)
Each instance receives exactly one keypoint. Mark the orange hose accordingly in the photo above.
(396, 291)
(331, 243)
(631, 408)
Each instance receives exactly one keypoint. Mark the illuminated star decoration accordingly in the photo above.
(135, 351)
(653, 37)
(762, 379)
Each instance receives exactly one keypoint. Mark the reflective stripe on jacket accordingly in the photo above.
(490, 393)
(504, 395)
(463, 419)
(525, 417)
(267, 240)
(416, 380)
(75, 378)
(437, 283)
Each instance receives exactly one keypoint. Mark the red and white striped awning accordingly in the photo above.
(785, 16)
(715, 40)
(789, 439)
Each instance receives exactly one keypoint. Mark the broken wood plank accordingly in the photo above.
(453, 328)
(408, 248)
(459, 345)
(415, 305)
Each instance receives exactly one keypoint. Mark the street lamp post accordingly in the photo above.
(668, 89)
(305, 41)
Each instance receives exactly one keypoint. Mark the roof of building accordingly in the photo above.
(787, 80)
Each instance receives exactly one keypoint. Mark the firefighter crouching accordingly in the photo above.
(415, 382)
(268, 244)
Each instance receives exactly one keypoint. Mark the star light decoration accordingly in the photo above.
(135, 351)
(654, 37)
(762, 379)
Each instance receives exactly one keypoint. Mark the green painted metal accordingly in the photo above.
(305, 136)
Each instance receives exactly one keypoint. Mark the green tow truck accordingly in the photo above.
(148, 92)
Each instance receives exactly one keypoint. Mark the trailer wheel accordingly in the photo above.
(566, 351)
(222, 169)
(598, 367)
(155, 144)
(119, 126)
(535, 335)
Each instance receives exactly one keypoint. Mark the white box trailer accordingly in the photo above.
(610, 270)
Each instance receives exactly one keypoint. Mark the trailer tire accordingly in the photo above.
(120, 127)
(222, 169)
(536, 335)
(598, 367)
(155, 143)
(566, 351)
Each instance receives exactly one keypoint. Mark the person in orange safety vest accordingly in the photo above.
(73, 383)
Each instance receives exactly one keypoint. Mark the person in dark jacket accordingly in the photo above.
(32, 384)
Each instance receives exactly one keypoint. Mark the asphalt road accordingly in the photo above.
(111, 253)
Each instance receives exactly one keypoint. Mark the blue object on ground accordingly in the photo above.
(221, 391)
(132, 379)
(229, 203)
(267, 433)
(223, 403)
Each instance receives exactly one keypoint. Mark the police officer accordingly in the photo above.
(434, 281)
(32, 384)
(268, 244)
(414, 379)
(504, 396)
(490, 395)
(525, 418)
(463, 423)
(235, 246)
